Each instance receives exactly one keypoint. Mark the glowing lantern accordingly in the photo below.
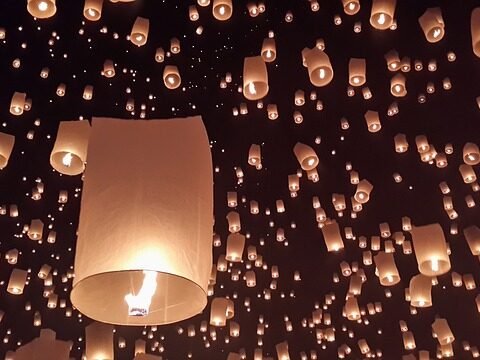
(421, 291)
(99, 341)
(88, 92)
(235, 245)
(222, 9)
(387, 269)
(306, 156)
(468, 174)
(159, 55)
(35, 230)
(139, 34)
(282, 351)
(432, 24)
(401, 143)
(332, 236)
(362, 194)
(233, 219)
(175, 45)
(351, 7)
(442, 331)
(430, 249)
(373, 121)
(472, 235)
(319, 67)
(357, 71)
(219, 311)
(408, 340)
(108, 69)
(382, 14)
(17, 104)
(69, 153)
(475, 30)
(397, 86)
(254, 156)
(122, 278)
(92, 10)
(269, 50)
(393, 60)
(471, 154)
(41, 9)
(17, 281)
(6, 146)
(351, 309)
(171, 77)
(255, 78)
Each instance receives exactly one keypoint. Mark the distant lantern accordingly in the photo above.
(332, 237)
(432, 24)
(319, 67)
(393, 60)
(387, 269)
(397, 86)
(282, 351)
(255, 156)
(6, 146)
(422, 144)
(41, 9)
(108, 69)
(69, 153)
(475, 30)
(17, 105)
(351, 7)
(159, 273)
(468, 173)
(193, 13)
(88, 92)
(357, 72)
(362, 194)
(269, 50)
(171, 77)
(382, 14)
(35, 230)
(472, 235)
(139, 34)
(92, 10)
(421, 291)
(159, 55)
(235, 246)
(471, 154)
(442, 331)
(351, 309)
(99, 341)
(61, 89)
(218, 311)
(175, 45)
(255, 78)
(272, 111)
(401, 143)
(373, 121)
(306, 156)
(233, 219)
(430, 249)
(408, 340)
(299, 98)
(17, 281)
(222, 9)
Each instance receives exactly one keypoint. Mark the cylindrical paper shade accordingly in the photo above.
(382, 14)
(299, 97)
(408, 340)
(193, 13)
(269, 51)
(421, 291)
(255, 78)
(92, 10)
(319, 67)
(387, 270)
(357, 72)
(69, 153)
(272, 111)
(393, 60)
(472, 235)
(250, 278)
(397, 86)
(432, 24)
(351, 309)
(108, 69)
(401, 143)
(364, 188)
(306, 156)
(471, 154)
(35, 229)
(44, 271)
(332, 236)
(175, 45)
(99, 341)
(17, 281)
(254, 155)
(222, 9)
(41, 9)
(282, 351)
(6, 146)
(141, 219)
(351, 7)
(442, 331)
(363, 346)
(171, 77)
(17, 104)
(430, 249)
(233, 219)
(235, 245)
(468, 173)
(139, 34)
(373, 121)
(475, 30)
(218, 312)
(88, 92)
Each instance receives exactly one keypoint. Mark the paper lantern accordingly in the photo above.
(175, 45)
(108, 69)
(357, 72)
(421, 291)
(299, 98)
(472, 235)
(99, 341)
(250, 278)
(397, 86)
(383, 11)
(92, 10)
(401, 143)
(351, 7)
(235, 245)
(475, 30)
(373, 121)
(442, 331)
(320, 69)
(222, 9)
(143, 251)
(218, 311)
(88, 92)
(69, 153)
(17, 104)
(269, 50)
(432, 24)
(471, 154)
(393, 60)
(255, 78)
(17, 281)
(408, 340)
(387, 269)
(139, 33)
(468, 173)
(272, 111)
(351, 309)
(254, 156)
(282, 351)
(193, 13)
(332, 237)
(35, 230)
(171, 77)
(362, 194)
(233, 219)
(430, 249)
(6, 146)
(41, 9)
(306, 156)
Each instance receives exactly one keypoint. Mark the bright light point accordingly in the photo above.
(398, 88)
(434, 264)
(138, 305)
(139, 37)
(43, 6)
(252, 89)
(269, 54)
(389, 278)
(356, 80)
(311, 161)
(67, 159)
(322, 74)
(171, 80)
(351, 6)
(421, 303)
(221, 10)
(92, 12)
(381, 19)
(436, 33)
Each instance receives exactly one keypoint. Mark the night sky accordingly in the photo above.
(75, 49)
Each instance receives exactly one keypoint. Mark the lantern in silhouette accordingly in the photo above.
(255, 78)
(222, 9)
(69, 153)
(432, 24)
(41, 9)
(127, 257)
(319, 67)
(382, 14)
(430, 249)
(139, 33)
(357, 72)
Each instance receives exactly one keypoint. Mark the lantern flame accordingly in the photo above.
(381, 19)
(43, 6)
(67, 159)
(138, 305)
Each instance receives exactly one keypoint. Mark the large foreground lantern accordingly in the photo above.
(319, 67)
(41, 9)
(143, 252)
